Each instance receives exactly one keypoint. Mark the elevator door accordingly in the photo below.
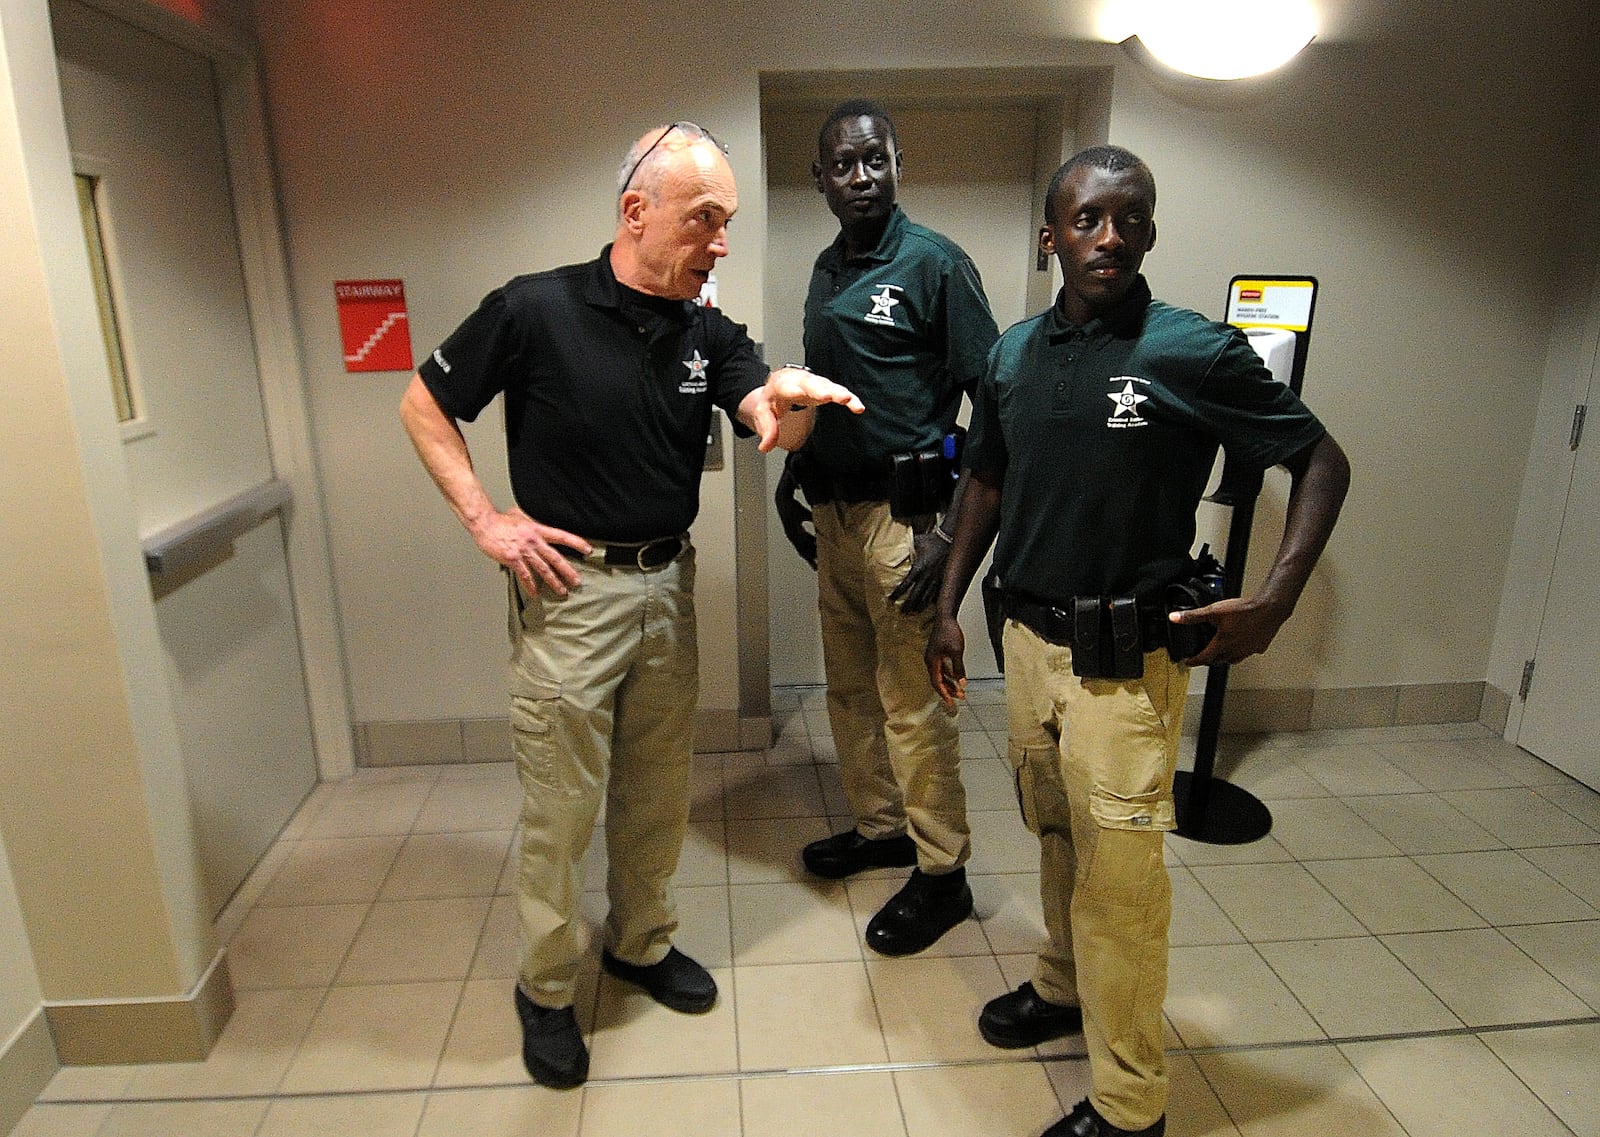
(148, 146)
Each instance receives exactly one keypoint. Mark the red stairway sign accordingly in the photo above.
(373, 325)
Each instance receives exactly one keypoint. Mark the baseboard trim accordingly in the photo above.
(116, 1032)
(449, 741)
(1495, 710)
(27, 1063)
(1246, 711)
(1262, 709)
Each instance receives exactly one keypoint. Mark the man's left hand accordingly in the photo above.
(788, 389)
(920, 588)
(1243, 628)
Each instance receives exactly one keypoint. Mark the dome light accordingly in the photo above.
(1225, 39)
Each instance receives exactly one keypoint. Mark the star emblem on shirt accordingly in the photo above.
(883, 303)
(1127, 401)
(697, 366)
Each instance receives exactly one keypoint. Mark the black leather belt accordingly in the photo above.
(645, 555)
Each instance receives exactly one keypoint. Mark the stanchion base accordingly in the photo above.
(1232, 816)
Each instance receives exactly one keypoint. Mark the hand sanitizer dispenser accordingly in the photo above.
(1275, 346)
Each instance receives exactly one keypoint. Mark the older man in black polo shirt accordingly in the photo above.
(609, 371)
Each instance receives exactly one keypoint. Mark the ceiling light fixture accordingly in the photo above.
(1224, 39)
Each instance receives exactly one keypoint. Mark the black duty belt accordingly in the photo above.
(1108, 635)
(856, 487)
(645, 555)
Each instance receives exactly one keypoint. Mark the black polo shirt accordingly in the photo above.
(1106, 435)
(608, 396)
(906, 327)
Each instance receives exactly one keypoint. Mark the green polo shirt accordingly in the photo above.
(907, 327)
(1106, 435)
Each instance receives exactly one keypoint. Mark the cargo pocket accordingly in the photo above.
(535, 703)
(1125, 867)
(1142, 813)
(1037, 771)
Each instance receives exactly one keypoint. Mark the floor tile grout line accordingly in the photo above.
(847, 1068)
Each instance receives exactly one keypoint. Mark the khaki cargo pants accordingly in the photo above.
(1094, 762)
(603, 689)
(899, 750)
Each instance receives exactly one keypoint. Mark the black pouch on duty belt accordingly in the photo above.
(1106, 641)
(919, 484)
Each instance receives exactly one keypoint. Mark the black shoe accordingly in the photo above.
(1084, 1121)
(916, 916)
(847, 853)
(552, 1046)
(1021, 1018)
(677, 981)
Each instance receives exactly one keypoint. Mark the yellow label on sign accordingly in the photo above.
(1271, 304)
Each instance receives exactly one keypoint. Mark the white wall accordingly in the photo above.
(1400, 163)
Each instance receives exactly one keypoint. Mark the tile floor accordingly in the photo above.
(1413, 950)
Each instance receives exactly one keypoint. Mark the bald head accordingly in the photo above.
(676, 196)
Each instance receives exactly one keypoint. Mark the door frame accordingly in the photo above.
(241, 108)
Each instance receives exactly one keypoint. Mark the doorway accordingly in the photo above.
(979, 147)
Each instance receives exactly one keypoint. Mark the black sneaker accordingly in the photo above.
(916, 916)
(677, 981)
(1085, 1121)
(552, 1046)
(845, 854)
(1021, 1018)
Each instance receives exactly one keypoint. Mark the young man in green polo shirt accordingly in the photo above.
(895, 311)
(1094, 432)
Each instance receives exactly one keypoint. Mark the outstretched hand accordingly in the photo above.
(787, 390)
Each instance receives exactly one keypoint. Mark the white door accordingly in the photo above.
(1561, 721)
(143, 121)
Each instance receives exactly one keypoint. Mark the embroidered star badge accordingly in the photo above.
(883, 303)
(697, 366)
(1127, 401)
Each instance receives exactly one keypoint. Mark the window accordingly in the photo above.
(89, 197)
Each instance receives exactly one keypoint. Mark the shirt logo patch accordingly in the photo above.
(883, 305)
(438, 357)
(1125, 403)
(695, 382)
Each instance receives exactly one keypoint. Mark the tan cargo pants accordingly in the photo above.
(899, 750)
(603, 689)
(1094, 762)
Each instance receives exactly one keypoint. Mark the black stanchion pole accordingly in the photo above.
(1211, 809)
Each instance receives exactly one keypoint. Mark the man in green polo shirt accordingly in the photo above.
(896, 312)
(1094, 433)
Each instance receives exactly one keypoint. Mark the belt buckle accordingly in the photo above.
(655, 554)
